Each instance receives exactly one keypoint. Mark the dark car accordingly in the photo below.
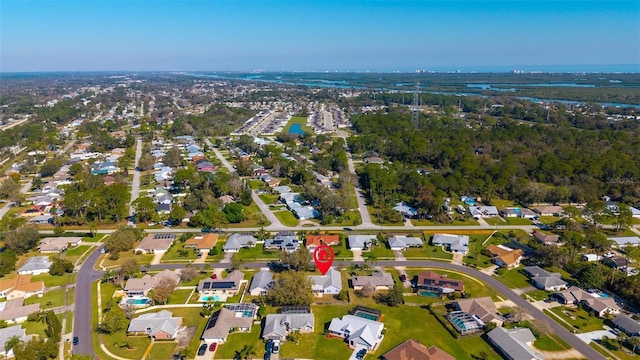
(214, 276)
(276, 348)
(202, 349)
(76, 340)
(206, 230)
(213, 346)
(269, 346)
(403, 277)
(361, 354)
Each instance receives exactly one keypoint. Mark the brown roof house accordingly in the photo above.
(155, 243)
(232, 316)
(547, 239)
(203, 243)
(379, 280)
(504, 256)
(483, 308)
(20, 287)
(439, 284)
(15, 312)
(57, 245)
(313, 241)
(413, 350)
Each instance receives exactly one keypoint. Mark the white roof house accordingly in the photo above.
(486, 211)
(261, 283)
(6, 334)
(357, 331)
(278, 326)
(329, 283)
(453, 243)
(237, 241)
(359, 242)
(404, 242)
(160, 325)
(35, 266)
(625, 240)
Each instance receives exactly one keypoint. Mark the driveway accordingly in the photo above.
(597, 335)
(157, 258)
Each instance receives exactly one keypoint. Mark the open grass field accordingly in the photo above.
(162, 350)
(257, 252)
(286, 218)
(51, 299)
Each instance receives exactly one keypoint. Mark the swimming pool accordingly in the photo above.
(366, 315)
(210, 298)
(430, 294)
(141, 301)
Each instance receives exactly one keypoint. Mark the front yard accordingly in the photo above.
(579, 319)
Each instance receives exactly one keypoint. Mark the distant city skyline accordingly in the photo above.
(562, 36)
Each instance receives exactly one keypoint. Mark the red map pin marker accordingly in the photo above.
(323, 257)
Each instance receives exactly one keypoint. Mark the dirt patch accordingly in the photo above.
(185, 335)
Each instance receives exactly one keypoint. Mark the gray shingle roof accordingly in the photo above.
(512, 343)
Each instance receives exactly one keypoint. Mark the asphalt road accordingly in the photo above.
(540, 317)
(135, 185)
(82, 315)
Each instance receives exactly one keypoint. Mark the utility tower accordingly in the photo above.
(415, 107)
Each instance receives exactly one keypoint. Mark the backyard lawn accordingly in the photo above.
(50, 299)
(161, 350)
(50, 280)
(427, 251)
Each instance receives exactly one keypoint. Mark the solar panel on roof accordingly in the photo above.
(223, 285)
(206, 285)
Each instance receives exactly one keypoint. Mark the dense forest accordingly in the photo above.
(492, 157)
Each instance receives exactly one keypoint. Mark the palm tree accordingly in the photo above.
(371, 259)
(622, 337)
(11, 343)
(635, 342)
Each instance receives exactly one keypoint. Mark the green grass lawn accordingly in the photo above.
(380, 251)
(237, 341)
(538, 294)
(69, 326)
(257, 252)
(268, 198)
(162, 350)
(143, 259)
(173, 254)
(579, 318)
(76, 251)
(514, 279)
(50, 280)
(472, 286)
(502, 203)
(179, 296)
(617, 353)
(50, 299)
(551, 343)
(427, 251)
(286, 217)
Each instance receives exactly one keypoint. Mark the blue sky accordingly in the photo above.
(303, 35)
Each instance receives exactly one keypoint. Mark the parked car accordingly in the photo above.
(202, 349)
(214, 276)
(76, 340)
(269, 346)
(403, 277)
(199, 255)
(213, 346)
(276, 347)
(360, 355)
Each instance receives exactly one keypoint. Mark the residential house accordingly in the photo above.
(284, 240)
(284, 189)
(547, 239)
(7, 334)
(518, 212)
(406, 210)
(20, 287)
(379, 280)
(228, 286)
(464, 323)
(599, 305)
(616, 262)
(238, 317)
(549, 210)
(413, 350)
(57, 245)
(278, 326)
(544, 280)
(35, 266)
(15, 312)
(357, 332)
(155, 243)
(591, 257)
(205, 166)
(261, 283)
(105, 168)
(313, 241)
(139, 287)
(158, 326)
(514, 344)
(202, 243)
(440, 284)
(398, 242)
(482, 308)
(329, 283)
(303, 212)
(373, 160)
(504, 256)
(627, 325)
(620, 241)
(483, 211)
(226, 199)
(455, 243)
(361, 242)
(235, 242)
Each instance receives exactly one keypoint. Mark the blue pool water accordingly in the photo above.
(212, 298)
(142, 301)
(296, 129)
